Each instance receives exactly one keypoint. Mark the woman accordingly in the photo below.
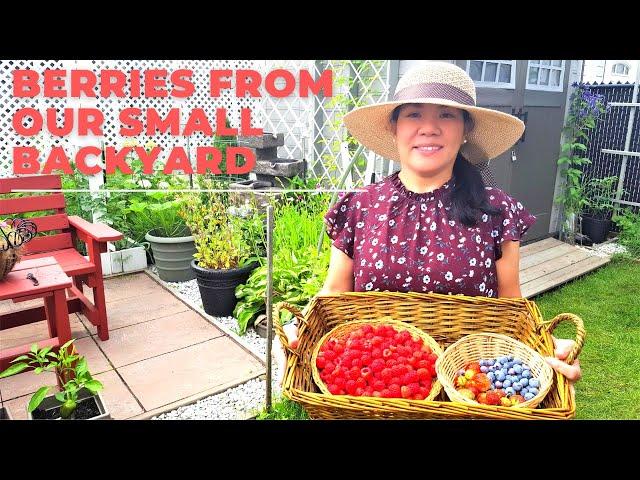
(433, 226)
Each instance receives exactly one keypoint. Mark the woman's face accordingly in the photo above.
(428, 137)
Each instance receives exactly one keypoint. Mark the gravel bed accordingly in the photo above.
(239, 402)
(606, 249)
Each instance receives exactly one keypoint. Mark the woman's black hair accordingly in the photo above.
(469, 198)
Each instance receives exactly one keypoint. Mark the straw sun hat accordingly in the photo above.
(437, 83)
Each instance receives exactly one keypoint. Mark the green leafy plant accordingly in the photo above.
(629, 224)
(598, 196)
(158, 214)
(297, 277)
(71, 371)
(584, 110)
(218, 236)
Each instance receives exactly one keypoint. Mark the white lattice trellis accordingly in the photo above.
(312, 126)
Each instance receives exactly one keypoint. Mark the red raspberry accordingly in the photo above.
(376, 353)
(424, 391)
(356, 362)
(350, 387)
(330, 366)
(433, 357)
(385, 393)
(424, 364)
(359, 392)
(394, 389)
(366, 373)
(361, 382)
(321, 362)
(379, 385)
(377, 365)
(415, 388)
(334, 389)
(386, 374)
(424, 374)
(354, 373)
(339, 381)
(410, 377)
(405, 391)
(386, 353)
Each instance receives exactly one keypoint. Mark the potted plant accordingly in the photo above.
(170, 240)
(224, 256)
(79, 396)
(598, 203)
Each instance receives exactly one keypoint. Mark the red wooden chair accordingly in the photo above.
(61, 244)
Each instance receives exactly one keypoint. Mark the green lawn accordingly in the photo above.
(608, 301)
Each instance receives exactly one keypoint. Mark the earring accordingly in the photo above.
(465, 141)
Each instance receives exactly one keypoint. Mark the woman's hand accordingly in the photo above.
(561, 350)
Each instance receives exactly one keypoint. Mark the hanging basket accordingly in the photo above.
(8, 260)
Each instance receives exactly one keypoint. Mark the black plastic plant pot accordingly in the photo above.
(596, 229)
(92, 404)
(218, 287)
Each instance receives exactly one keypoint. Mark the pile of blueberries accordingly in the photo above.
(512, 375)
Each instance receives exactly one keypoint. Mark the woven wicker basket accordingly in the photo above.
(8, 260)
(446, 318)
(346, 328)
(491, 345)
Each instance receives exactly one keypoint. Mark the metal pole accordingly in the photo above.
(269, 298)
(627, 142)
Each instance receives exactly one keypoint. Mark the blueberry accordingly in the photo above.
(534, 382)
(511, 371)
(481, 362)
(506, 383)
(533, 390)
(528, 396)
(509, 358)
(509, 391)
(517, 387)
(500, 376)
(524, 382)
(490, 362)
(524, 391)
(526, 373)
(498, 384)
(517, 361)
(517, 368)
(484, 369)
(491, 376)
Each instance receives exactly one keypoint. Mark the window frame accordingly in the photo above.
(550, 67)
(624, 65)
(483, 84)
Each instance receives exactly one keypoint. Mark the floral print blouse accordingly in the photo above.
(405, 241)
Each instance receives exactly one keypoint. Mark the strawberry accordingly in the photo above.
(475, 366)
(492, 397)
(482, 382)
(465, 392)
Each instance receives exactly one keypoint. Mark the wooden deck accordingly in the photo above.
(549, 263)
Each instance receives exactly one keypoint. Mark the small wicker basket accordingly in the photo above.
(472, 348)
(346, 328)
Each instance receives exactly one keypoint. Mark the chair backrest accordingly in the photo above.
(49, 222)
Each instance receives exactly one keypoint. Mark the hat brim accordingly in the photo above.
(494, 132)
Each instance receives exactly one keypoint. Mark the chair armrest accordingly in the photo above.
(97, 231)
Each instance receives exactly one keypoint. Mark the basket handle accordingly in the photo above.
(580, 332)
(279, 330)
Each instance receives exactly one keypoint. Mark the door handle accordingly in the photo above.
(524, 116)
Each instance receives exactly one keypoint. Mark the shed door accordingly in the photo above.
(536, 93)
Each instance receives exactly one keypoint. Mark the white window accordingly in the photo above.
(620, 69)
(545, 75)
(492, 73)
